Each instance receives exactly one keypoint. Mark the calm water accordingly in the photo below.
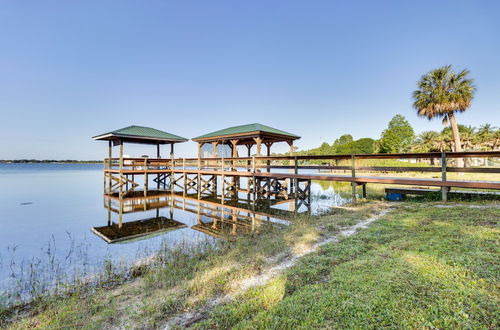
(47, 212)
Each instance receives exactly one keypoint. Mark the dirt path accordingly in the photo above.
(188, 318)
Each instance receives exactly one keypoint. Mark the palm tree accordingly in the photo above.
(486, 135)
(425, 142)
(441, 93)
(441, 143)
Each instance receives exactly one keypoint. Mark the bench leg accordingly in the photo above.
(444, 193)
(353, 186)
(364, 190)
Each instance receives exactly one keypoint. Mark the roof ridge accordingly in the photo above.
(144, 131)
(251, 127)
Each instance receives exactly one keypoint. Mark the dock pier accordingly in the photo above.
(273, 178)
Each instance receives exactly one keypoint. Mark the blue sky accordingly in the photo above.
(73, 69)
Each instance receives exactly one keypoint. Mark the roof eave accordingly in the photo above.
(245, 134)
(109, 136)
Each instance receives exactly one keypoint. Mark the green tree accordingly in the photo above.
(364, 146)
(325, 149)
(344, 139)
(361, 146)
(441, 93)
(397, 137)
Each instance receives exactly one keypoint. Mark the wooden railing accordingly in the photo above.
(331, 163)
(338, 168)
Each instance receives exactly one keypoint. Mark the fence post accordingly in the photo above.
(353, 173)
(444, 190)
(295, 181)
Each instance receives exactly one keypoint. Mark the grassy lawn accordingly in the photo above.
(419, 267)
(181, 279)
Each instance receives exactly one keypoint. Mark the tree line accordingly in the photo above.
(400, 137)
(441, 93)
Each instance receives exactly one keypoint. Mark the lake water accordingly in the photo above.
(47, 212)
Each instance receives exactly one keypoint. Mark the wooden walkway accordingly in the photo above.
(284, 177)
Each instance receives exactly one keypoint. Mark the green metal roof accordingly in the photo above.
(246, 129)
(140, 132)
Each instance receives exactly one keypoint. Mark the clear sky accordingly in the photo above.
(73, 69)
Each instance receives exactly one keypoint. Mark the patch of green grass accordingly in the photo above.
(420, 267)
(183, 278)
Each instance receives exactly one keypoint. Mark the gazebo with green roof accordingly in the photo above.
(140, 135)
(247, 135)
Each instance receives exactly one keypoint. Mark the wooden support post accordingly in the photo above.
(120, 193)
(295, 182)
(364, 190)
(184, 180)
(254, 182)
(145, 184)
(214, 185)
(198, 185)
(215, 153)
(200, 145)
(223, 194)
(110, 156)
(109, 212)
(105, 175)
(353, 173)
(121, 157)
(235, 148)
(120, 213)
(268, 153)
(198, 213)
(249, 153)
(234, 143)
(158, 175)
(172, 153)
(120, 176)
(110, 153)
(444, 190)
(258, 141)
(172, 183)
(292, 163)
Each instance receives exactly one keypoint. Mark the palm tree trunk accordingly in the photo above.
(456, 137)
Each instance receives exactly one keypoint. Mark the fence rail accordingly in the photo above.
(298, 163)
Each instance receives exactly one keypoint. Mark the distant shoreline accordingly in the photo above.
(46, 161)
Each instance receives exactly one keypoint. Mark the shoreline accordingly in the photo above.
(231, 284)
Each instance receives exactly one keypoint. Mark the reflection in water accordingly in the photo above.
(133, 230)
(215, 217)
(49, 241)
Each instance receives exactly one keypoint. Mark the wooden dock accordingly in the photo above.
(274, 177)
(267, 177)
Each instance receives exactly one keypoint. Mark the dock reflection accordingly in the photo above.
(223, 219)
